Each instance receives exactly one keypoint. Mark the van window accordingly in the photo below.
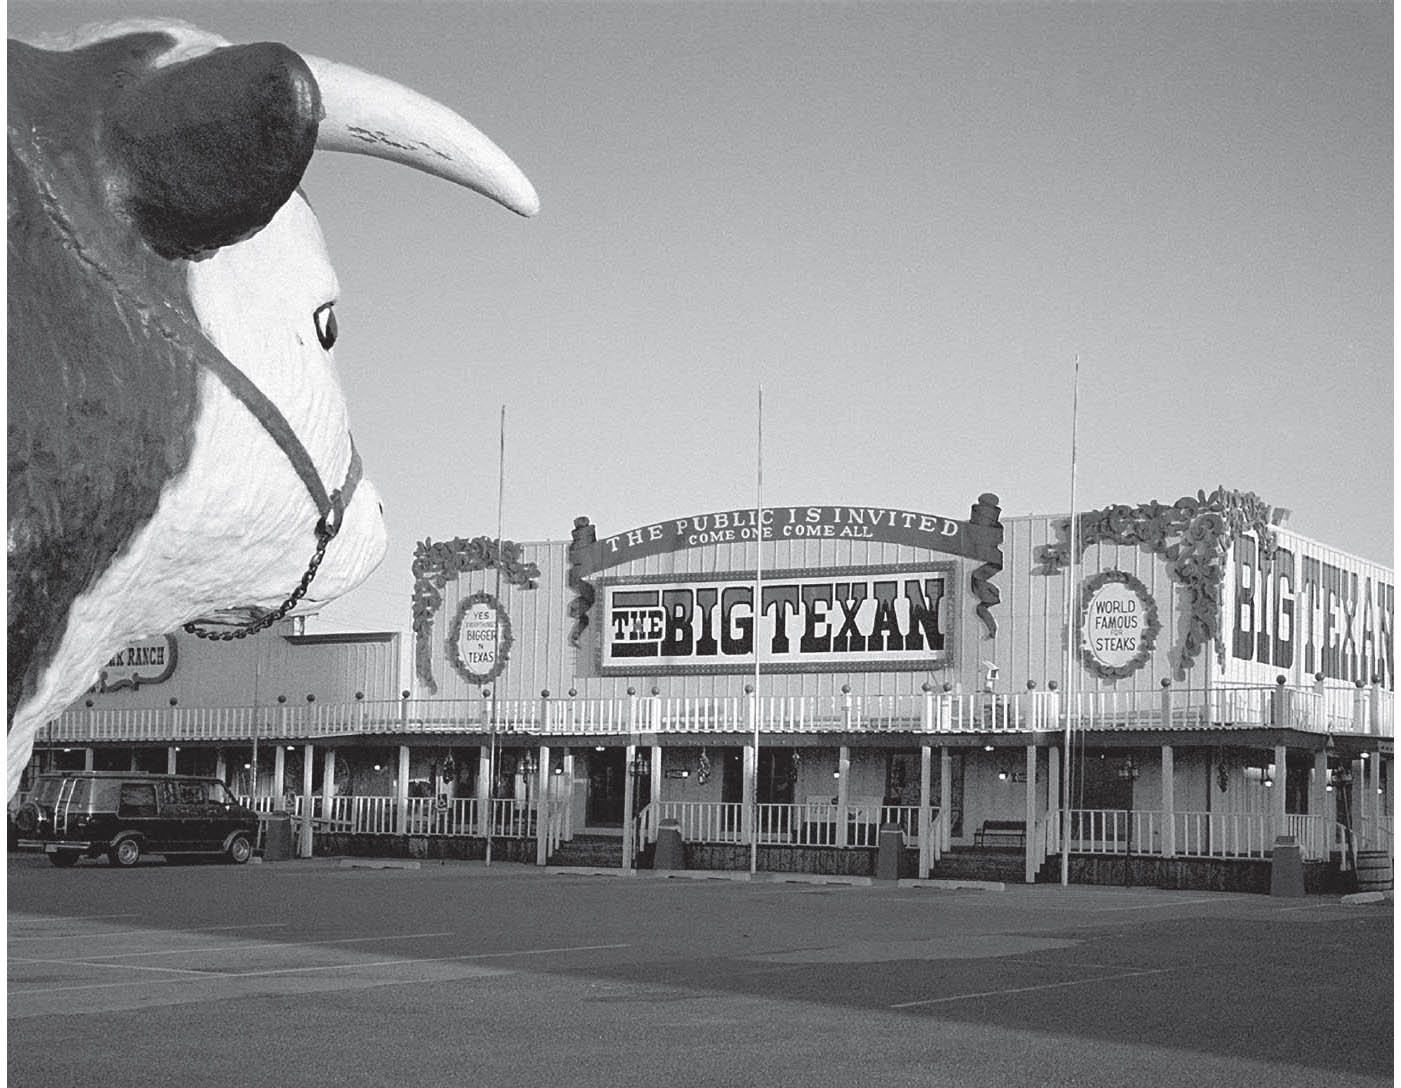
(219, 794)
(137, 799)
(106, 794)
(82, 793)
(46, 790)
(191, 793)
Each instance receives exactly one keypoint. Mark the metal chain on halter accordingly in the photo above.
(326, 530)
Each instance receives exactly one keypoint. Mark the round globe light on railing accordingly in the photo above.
(926, 687)
(404, 694)
(1031, 685)
(1053, 685)
(656, 690)
(173, 700)
(310, 697)
(573, 692)
(948, 685)
(544, 693)
(282, 698)
(359, 695)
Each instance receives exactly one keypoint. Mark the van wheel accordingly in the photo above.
(65, 859)
(240, 850)
(125, 854)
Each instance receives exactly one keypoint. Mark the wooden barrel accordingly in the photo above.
(1373, 871)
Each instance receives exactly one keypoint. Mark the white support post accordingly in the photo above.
(304, 840)
(1363, 792)
(567, 795)
(945, 792)
(328, 783)
(746, 816)
(221, 765)
(1032, 847)
(843, 793)
(542, 806)
(926, 827)
(279, 775)
(90, 761)
(1278, 792)
(1169, 806)
(1053, 813)
(401, 793)
(1319, 807)
(172, 758)
(484, 791)
(654, 796)
(629, 754)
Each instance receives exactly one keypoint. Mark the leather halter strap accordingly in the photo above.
(330, 506)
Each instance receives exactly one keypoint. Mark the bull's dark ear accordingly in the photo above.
(208, 149)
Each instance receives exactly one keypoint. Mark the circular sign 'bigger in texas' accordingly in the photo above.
(480, 638)
(1119, 624)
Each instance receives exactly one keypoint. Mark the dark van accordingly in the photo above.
(125, 814)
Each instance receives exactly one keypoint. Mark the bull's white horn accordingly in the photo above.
(371, 115)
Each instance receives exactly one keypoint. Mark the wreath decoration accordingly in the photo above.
(1147, 637)
(504, 639)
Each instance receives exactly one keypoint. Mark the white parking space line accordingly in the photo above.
(304, 970)
(111, 967)
(97, 933)
(1030, 989)
(202, 949)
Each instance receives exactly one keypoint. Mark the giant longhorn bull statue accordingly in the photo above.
(179, 449)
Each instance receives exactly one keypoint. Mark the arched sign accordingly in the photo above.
(480, 638)
(1119, 623)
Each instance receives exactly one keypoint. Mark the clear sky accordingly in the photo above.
(904, 221)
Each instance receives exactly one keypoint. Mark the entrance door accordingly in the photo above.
(603, 806)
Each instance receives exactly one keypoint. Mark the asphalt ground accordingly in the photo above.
(310, 973)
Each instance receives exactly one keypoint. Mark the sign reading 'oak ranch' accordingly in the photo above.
(889, 618)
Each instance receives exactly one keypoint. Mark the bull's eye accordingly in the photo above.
(325, 318)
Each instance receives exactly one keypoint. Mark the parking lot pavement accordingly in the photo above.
(313, 973)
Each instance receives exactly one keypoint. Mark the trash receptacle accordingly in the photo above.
(1287, 868)
(890, 844)
(670, 853)
(277, 837)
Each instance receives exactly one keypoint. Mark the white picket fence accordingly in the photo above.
(1317, 709)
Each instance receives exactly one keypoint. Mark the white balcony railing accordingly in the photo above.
(1352, 711)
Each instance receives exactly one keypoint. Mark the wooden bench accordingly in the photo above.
(1001, 833)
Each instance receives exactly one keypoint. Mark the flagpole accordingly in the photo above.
(496, 633)
(1072, 613)
(758, 613)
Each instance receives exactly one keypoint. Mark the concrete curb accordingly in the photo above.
(374, 863)
(806, 878)
(1357, 898)
(695, 874)
(955, 885)
(581, 870)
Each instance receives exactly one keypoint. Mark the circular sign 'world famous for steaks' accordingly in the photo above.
(480, 638)
(1119, 624)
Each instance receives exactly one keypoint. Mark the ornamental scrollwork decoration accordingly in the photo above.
(1194, 535)
(435, 565)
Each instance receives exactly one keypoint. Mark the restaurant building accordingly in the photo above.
(1156, 692)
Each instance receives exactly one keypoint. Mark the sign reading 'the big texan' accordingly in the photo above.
(880, 617)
